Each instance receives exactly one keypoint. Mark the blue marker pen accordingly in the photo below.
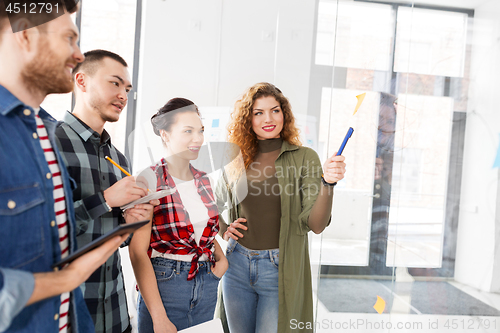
(347, 136)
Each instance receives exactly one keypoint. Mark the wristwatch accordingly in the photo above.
(107, 206)
(326, 183)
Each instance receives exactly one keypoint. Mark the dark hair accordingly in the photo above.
(40, 16)
(93, 59)
(164, 118)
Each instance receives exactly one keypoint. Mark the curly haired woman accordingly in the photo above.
(273, 201)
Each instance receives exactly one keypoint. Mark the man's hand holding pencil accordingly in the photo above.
(127, 190)
(124, 191)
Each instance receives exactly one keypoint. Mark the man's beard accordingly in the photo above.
(45, 73)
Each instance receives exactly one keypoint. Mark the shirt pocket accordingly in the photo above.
(21, 218)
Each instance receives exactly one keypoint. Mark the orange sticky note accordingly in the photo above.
(360, 100)
(379, 305)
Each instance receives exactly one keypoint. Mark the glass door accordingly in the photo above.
(395, 206)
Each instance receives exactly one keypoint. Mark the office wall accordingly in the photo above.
(179, 40)
(216, 49)
(478, 244)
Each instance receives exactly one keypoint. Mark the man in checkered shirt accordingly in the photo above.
(102, 83)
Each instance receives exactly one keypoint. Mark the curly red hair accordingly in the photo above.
(240, 126)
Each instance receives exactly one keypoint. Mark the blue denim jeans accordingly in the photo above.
(188, 303)
(250, 288)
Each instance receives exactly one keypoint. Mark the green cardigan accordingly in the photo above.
(299, 171)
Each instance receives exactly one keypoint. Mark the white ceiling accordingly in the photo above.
(470, 4)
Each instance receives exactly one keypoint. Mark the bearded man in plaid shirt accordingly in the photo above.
(102, 83)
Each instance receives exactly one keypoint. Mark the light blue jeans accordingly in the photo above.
(188, 303)
(250, 289)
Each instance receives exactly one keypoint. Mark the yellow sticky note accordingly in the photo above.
(360, 100)
(379, 305)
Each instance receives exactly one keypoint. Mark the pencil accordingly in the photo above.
(116, 165)
(119, 167)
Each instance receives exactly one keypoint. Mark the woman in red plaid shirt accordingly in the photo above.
(177, 261)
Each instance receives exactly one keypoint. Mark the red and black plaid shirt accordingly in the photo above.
(172, 231)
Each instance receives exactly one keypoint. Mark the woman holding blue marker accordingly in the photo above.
(273, 200)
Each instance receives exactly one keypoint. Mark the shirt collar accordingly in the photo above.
(84, 131)
(8, 102)
(196, 173)
(288, 146)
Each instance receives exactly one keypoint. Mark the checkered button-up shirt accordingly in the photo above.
(83, 151)
(172, 231)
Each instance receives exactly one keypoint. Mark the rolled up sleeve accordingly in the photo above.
(16, 289)
(310, 184)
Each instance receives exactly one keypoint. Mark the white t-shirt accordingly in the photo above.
(198, 215)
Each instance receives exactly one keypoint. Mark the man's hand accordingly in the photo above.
(51, 284)
(140, 212)
(123, 192)
(85, 265)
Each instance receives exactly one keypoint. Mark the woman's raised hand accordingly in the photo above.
(334, 169)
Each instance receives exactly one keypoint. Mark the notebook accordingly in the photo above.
(147, 179)
(212, 326)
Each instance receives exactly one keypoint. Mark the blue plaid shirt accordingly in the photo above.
(83, 151)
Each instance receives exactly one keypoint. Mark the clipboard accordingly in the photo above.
(118, 231)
